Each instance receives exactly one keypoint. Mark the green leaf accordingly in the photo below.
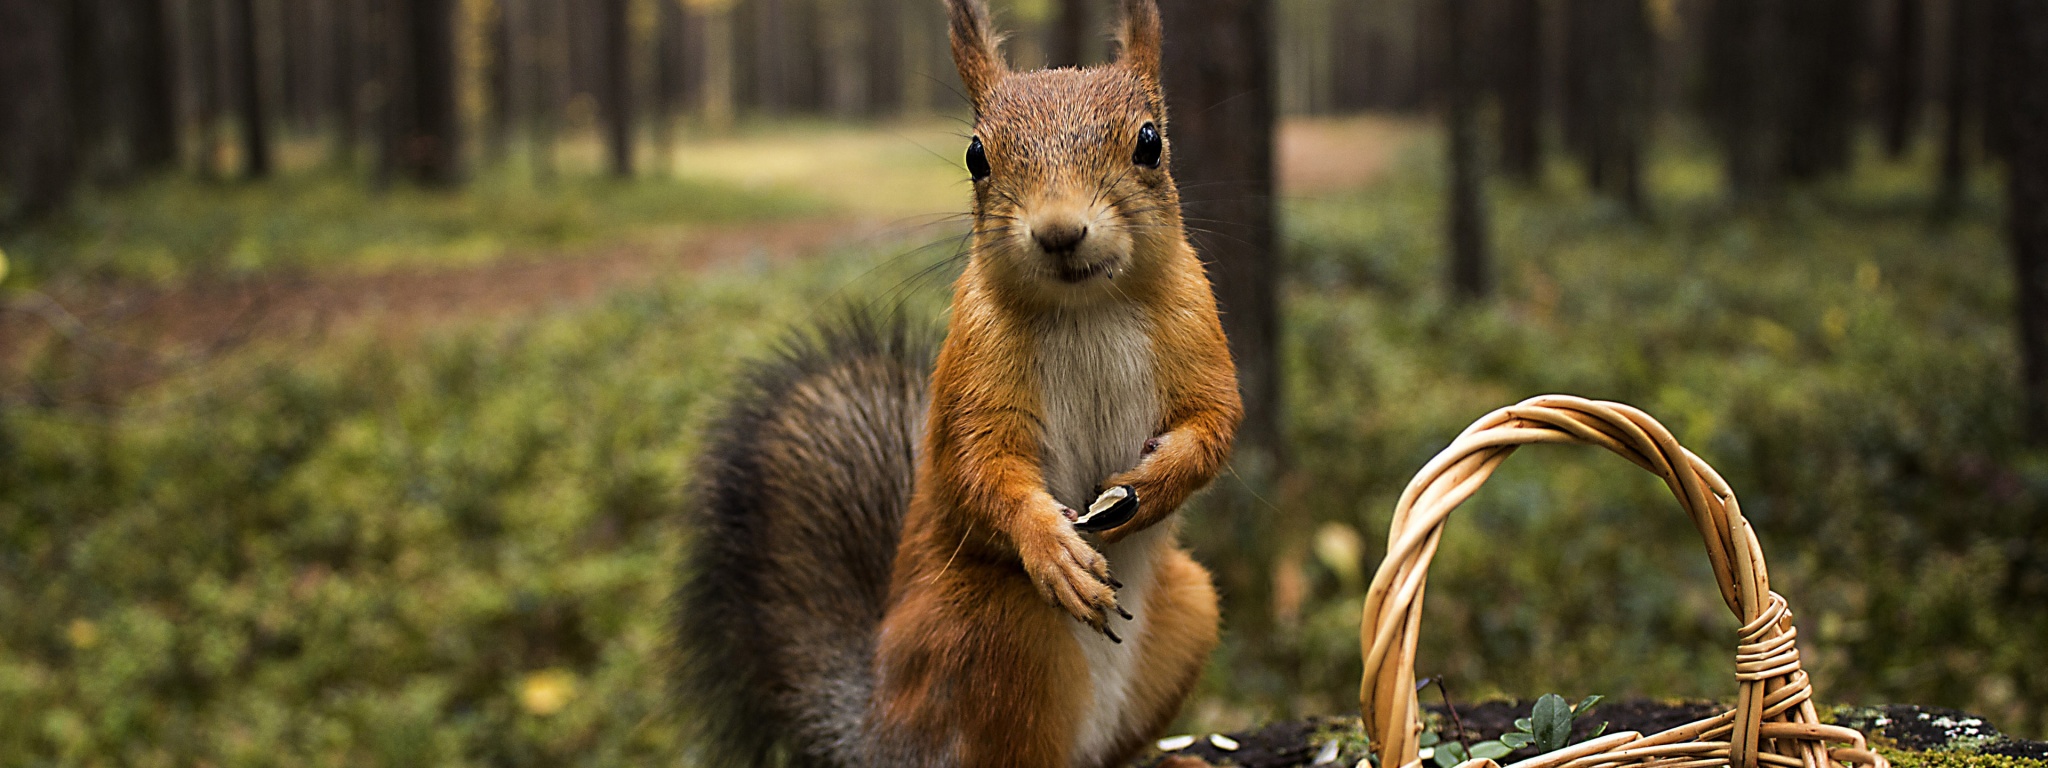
(1553, 720)
(1450, 755)
(1429, 739)
(1588, 703)
(1517, 740)
(1491, 750)
(1597, 731)
(1522, 724)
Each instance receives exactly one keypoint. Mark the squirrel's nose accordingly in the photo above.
(1059, 237)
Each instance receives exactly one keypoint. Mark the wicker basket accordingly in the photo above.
(1773, 722)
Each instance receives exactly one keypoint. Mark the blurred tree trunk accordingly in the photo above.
(885, 57)
(669, 69)
(423, 125)
(248, 65)
(2020, 32)
(1219, 85)
(549, 83)
(1351, 64)
(1739, 94)
(1961, 102)
(1470, 268)
(85, 71)
(721, 67)
(343, 37)
(38, 161)
(1067, 40)
(436, 139)
(1903, 63)
(810, 59)
(1823, 52)
(618, 90)
(204, 81)
(1608, 94)
(1219, 78)
(695, 54)
(501, 74)
(153, 131)
(1519, 77)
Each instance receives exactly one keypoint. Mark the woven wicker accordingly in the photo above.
(1773, 722)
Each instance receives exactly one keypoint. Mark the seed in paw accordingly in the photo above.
(1114, 507)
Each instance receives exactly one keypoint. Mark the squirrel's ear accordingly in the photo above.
(1140, 38)
(974, 48)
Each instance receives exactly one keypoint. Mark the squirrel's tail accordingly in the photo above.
(797, 506)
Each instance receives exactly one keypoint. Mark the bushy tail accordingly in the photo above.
(794, 519)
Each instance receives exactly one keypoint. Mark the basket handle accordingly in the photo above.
(1771, 685)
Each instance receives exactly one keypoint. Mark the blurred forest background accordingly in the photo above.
(353, 352)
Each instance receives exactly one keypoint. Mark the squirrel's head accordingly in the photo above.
(1071, 189)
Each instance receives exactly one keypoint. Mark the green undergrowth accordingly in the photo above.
(1846, 366)
(456, 549)
(1955, 759)
(177, 228)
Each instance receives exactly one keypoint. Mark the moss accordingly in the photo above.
(1954, 759)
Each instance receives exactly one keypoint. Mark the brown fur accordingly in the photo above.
(975, 666)
(980, 645)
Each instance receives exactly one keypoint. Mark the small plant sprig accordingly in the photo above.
(1548, 728)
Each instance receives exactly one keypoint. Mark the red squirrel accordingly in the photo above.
(980, 568)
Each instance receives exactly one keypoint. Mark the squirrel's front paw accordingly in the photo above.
(1073, 576)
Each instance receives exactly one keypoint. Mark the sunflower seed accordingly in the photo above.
(1176, 743)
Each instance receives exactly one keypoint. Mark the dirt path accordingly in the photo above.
(120, 336)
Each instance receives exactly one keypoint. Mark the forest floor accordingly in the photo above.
(858, 185)
(1901, 731)
(436, 525)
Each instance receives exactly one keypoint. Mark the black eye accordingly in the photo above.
(1149, 147)
(977, 160)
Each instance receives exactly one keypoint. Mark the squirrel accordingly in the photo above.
(971, 558)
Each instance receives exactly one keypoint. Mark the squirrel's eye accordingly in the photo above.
(977, 160)
(1149, 147)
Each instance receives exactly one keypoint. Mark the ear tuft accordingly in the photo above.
(1140, 39)
(974, 48)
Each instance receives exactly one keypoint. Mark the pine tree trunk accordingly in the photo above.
(668, 78)
(1520, 79)
(434, 140)
(1470, 268)
(885, 57)
(618, 91)
(1220, 133)
(1351, 66)
(1960, 103)
(2021, 34)
(1068, 37)
(248, 63)
(343, 38)
(153, 132)
(37, 157)
(1220, 82)
(1902, 76)
(1739, 94)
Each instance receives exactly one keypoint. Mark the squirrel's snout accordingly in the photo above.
(1059, 237)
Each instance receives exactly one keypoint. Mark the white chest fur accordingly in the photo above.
(1096, 390)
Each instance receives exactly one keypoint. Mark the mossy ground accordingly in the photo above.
(456, 550)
